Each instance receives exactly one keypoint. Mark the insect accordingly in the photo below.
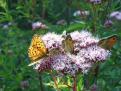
(108, 43)
(68, 43)
(37, 49)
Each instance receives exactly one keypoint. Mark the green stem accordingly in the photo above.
(94, 11)
(33, 8)
(41, 85)
(55, 81)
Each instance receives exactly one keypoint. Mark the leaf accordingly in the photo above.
(75, 26)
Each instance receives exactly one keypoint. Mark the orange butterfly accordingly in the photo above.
(108, 43)
(37, 49)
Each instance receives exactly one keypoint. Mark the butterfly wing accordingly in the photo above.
(111, 41)
(108, 43)
(34, 53)
(68, 44)
(102, 43)
(39, 45)
(37, 48)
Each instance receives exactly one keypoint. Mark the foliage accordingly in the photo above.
(16, 17)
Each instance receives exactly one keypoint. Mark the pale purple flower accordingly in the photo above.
(81, 63)
(95, 1)
(86, 53)
(43, 64)
(52, 40)
(53, 43)
(65, 64)
(94, 53)
(38, 25)
(83, 39)
(116, 15)
(108, 23)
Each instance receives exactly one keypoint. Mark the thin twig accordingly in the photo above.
(55, 81)
(74, 84)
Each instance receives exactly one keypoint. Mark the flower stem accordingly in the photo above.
(55, 81)
(74, 84)
(41, 85)
(94, 11)
(68, 85)
(33, 8)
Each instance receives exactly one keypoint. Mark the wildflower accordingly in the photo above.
(113, 14)
(37, 25)
(95, 1)
(108, 23)
(116, 15)
(86, 53)
(81, 13)
(53, 43)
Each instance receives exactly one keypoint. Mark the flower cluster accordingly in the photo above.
(86, 53)
(53, 43)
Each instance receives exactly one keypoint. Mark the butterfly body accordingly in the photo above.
(37, 48)
(108, 43)
(68, 44)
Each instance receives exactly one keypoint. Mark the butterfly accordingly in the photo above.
(108, 43)
(37, 49)
(68, 44)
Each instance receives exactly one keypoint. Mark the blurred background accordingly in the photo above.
(21, 19)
